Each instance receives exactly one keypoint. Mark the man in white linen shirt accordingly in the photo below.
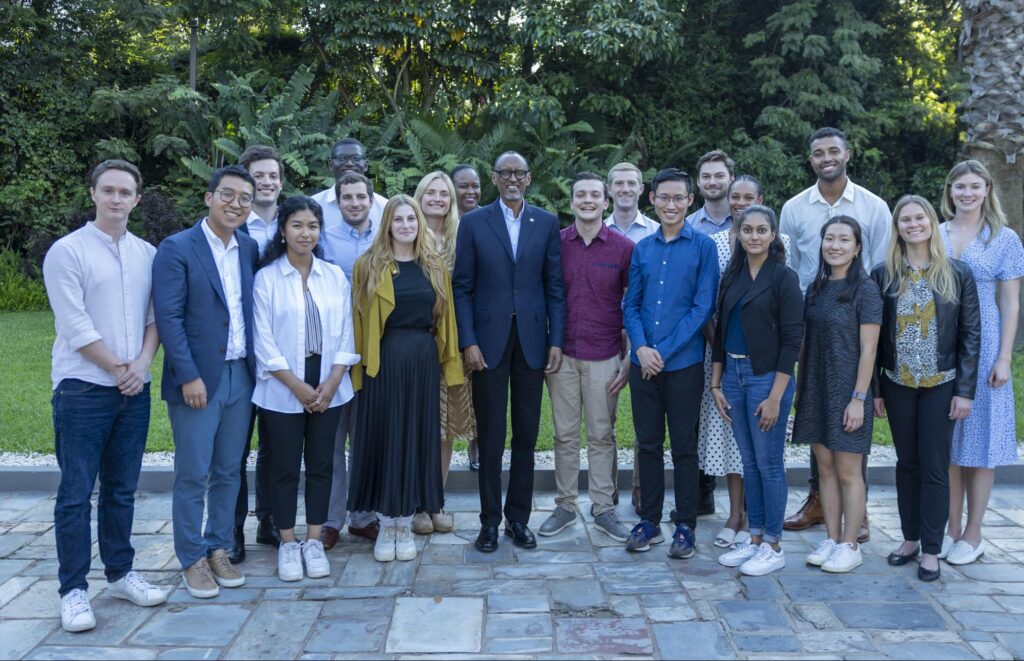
(98, 279)
(802, 219)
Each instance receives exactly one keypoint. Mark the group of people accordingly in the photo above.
(395, 326)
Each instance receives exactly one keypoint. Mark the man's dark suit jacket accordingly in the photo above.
(492, 289)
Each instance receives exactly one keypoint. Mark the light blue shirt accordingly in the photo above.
(343, 245)
(641, 227)
(705, 224)
(513, 223)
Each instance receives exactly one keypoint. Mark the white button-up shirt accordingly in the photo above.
(513, 224)
(641, 227)
(280, 338)
(100, 290)
(804, 215)
(260, 229)
(229, 269)
(336, 230)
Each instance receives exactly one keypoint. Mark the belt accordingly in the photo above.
(737, 356)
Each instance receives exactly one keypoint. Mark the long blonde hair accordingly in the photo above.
(940, 274)
(379, 260)
(450, 226)
(992, 214)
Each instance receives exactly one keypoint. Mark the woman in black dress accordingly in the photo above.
(406, 337)
(843, 315)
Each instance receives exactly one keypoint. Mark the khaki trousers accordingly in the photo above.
(580, 388)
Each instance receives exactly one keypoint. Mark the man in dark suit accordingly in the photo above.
(510, 309)
(202, 300)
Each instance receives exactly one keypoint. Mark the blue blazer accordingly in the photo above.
(489, 286)
(192, 312)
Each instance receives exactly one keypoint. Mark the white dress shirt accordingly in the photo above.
(261, 230)
(804, 215)
(99, 289)
(335, 226)
(229, 269)
(280, 317)
(641, 227)
(513, 224)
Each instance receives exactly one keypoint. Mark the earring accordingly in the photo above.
(282, 239)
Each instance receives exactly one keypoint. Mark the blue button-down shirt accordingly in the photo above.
(671, 295)
(703, 223)
(343, 245)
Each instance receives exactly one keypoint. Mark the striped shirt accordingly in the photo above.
(314, 339)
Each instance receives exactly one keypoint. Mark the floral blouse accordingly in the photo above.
(917, 334)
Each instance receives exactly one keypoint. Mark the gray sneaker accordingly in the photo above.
(610, 524)
(559, 520)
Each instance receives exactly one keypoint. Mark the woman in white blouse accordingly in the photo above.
(304, 348)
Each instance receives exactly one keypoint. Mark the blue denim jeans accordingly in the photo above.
(97, 432)
(764, 469)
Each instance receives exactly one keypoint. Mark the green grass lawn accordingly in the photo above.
(25, 416)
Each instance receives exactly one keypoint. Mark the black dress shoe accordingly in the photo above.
(521, 535)
(928, 575)
(236, 553)
(897, 560)
(487, 540)
(707, 505)
(474, 466)
(266, 533)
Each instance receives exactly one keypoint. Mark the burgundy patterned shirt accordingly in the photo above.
(595, 279)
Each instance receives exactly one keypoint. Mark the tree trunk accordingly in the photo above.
(992, 52)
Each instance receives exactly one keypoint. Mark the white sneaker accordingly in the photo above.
(818, 556)
(947, 546)
(315, 559)
(765, 561)
(132, 587)
(739, 554)
(963, 553)
(405, 547)
(289, 561)
(844, 558)
(75, 612)
(384, 548)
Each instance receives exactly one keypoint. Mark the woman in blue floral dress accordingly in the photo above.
(976, 234)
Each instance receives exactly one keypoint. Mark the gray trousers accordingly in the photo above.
(337, 512)
(207, 445)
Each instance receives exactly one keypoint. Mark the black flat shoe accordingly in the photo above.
(474, 466)
(236, 553)
(521, 535)
(897, 560)
(266, 533)
(487, 540)
(928, 575)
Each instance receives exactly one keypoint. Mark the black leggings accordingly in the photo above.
(285, 434)
(922, 433)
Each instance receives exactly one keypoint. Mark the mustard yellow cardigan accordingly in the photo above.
(369, 328)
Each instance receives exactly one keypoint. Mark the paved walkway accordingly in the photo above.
(579, 595)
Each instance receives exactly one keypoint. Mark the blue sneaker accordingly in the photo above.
(643, 535)
(683, 543)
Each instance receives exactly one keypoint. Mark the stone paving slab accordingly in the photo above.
(577, 595)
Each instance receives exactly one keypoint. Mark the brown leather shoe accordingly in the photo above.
(808, 515)
(370, 532)
(329, 537)
(864, 535)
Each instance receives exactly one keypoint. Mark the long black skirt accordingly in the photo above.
(396, 454)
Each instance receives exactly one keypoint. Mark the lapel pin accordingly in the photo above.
(531, 220)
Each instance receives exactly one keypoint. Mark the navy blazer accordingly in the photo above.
(192, 312)
(491, 289)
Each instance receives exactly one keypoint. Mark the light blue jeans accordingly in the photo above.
(764, 469)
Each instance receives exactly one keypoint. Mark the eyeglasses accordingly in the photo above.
(506, 175)
(665, 199)
(227, 196)
(348, 158)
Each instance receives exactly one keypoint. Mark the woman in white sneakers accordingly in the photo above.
(304, 347)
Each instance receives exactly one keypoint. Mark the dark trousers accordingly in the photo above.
(97, 432)
(295, 437)
(262, 473)
(922, 433)
(676, 396)
(490, 401)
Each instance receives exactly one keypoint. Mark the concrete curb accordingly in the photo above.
(161, 478)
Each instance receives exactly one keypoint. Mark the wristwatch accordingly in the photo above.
(862, 396)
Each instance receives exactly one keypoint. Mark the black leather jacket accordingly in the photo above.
(959, 325)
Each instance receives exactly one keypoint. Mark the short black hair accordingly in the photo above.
(116, 164)
(748, 178)
(354, 178)
(586, 176)
(459, 168)
(255, 153)
(510, 153)
(347, 141)
(229, 171)
(828, 132)
(671, 174)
